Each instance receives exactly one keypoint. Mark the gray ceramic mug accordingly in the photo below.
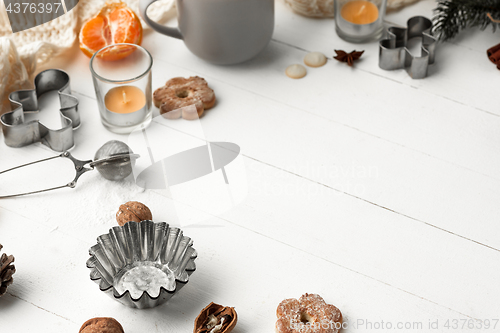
(220, 31)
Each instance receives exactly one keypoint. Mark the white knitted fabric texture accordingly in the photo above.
(21, 52)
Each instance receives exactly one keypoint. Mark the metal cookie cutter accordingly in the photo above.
(393, 53)
(18, 133)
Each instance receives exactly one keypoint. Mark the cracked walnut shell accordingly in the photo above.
(215, 318)
(133, 211)
(101, 325)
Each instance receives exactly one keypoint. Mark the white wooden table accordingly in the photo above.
(376, 191)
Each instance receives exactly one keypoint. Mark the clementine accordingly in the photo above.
(115, 23)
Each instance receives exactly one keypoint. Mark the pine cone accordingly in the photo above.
(6, 271)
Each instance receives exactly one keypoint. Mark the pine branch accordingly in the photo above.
(453, 16)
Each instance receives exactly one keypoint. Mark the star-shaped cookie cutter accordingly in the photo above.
(393, 53)
(18, 133)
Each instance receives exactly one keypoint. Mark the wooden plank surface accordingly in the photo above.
(374, 190)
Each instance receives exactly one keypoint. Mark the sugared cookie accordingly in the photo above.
(296, 71)
(309, 314)
(101, 325)
(178, 93)
(315, 59)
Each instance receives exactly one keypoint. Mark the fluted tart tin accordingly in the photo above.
(142, 265)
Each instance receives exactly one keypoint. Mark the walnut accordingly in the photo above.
(133, 211)
(215, 318)
(101, 325)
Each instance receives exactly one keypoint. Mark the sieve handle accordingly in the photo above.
(80, 168)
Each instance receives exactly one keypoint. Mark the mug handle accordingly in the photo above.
(172, 32)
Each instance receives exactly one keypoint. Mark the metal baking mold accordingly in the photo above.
(152, 247)
(393, 53)
(18, 133)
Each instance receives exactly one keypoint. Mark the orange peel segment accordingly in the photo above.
(115, 23)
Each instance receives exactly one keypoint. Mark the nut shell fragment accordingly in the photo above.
(101, 325)
(133, 211)
(215, 318)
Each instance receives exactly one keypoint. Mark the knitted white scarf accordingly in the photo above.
(21, 52)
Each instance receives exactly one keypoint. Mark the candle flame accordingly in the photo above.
(125, 100)
(361, 10)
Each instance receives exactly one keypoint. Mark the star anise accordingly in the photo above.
(343, 56)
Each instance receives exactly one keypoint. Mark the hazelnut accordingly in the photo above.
(215, 318)
(133, 211)
(101, 325)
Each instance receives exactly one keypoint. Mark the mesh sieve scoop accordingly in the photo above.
(114, 161)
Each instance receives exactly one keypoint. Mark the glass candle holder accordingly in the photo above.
(360, 21)
(122, 82)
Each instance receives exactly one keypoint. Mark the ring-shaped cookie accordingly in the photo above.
(309, 314)
(178, 93)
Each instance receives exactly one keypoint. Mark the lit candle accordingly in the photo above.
(359, 12)
(359, 21)
(123, 88)
(125, 99)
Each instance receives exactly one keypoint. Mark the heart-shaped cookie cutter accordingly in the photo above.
(18, 133)
(393, 53)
